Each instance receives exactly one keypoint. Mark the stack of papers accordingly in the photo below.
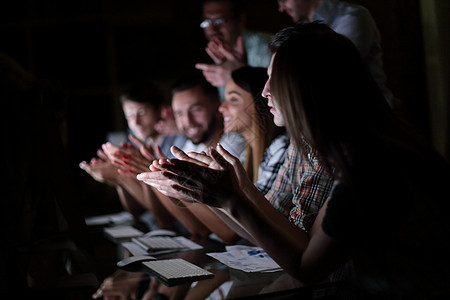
(247, 259)
(110, 219)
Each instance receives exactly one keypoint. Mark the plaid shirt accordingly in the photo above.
(271, 162)
(301, 188)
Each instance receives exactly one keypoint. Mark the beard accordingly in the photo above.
(207, 134)
(201, 139)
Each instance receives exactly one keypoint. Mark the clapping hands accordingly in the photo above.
(215, 179)
(131, 159)
(226, 59)
(101, 169)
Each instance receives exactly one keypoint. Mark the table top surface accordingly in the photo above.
(232, 283)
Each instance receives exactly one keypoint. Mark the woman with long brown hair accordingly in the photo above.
(384, 222)
(246, 112)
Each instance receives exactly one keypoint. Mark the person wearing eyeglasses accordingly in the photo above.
(230, 45)
(384, 223)
(351, 20)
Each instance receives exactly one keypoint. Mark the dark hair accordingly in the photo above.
(327, 96)
(144, 92)
(189, 81)
(236, 6)
(251, 79)
(392, 180)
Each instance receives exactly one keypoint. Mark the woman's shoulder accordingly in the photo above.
(275, 153)
(281, 142)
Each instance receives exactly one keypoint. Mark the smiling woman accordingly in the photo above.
(383, 226)
(245, 111)
(246, 114)
(237, 110)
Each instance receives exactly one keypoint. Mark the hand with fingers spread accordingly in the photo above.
(117, 154)
(194, 181)
(101, 169)
(201, 158)
(128, 148)
(226, 58)
(214, 51)
(222, 52)
(158, 180)
(147, 151)
(131, 164)
(132, 161)
(109, 149)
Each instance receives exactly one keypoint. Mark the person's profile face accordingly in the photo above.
(298, 10)
(141, 118)
(237, 109)
(228, 30)
(271, 102)
(195, 114)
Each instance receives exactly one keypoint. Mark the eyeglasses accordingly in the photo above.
(216, 22)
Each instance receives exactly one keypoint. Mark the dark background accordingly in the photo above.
(95, 48)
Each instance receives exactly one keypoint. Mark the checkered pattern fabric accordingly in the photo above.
(301, 188)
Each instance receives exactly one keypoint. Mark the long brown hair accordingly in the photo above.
(327, 96)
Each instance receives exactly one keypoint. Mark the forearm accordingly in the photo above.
(182, 214)
(132, 186)
(234, 224)
(128, 202)
(281, 239)
(131, 195)
(136, 190)
(163, 217)
(309, 257)
(213, 222)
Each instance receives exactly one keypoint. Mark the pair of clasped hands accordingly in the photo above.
(210, 178)
(226, 59)
(214, 178)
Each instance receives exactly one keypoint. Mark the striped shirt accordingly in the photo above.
(301, 188)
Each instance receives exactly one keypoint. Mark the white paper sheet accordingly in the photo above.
(247, 259)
